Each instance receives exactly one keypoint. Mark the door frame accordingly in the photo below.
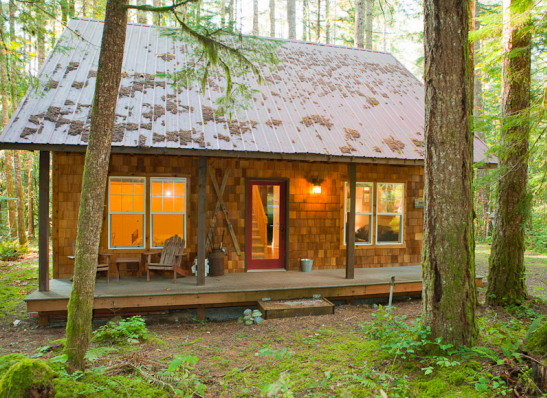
(284, 217)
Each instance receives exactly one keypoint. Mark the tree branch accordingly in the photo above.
(147, 7)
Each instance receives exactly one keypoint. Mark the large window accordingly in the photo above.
(389, 215)
(126, 211)
(167, 210)
(378, 218)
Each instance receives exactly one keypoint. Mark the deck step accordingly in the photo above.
(296, 307)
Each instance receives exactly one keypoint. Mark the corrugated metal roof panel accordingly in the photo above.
(321, 99)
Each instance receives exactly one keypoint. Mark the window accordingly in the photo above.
(385, 211)
(363, 212)
(126, 209)
(167, 209)
(389, 216)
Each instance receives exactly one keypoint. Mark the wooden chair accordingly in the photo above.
(170, 258)
(103, 263)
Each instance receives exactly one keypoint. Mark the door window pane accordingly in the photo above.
(266, 218)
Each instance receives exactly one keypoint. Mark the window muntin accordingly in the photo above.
(363, 212)
(390, 212)
(126, 212)
(167, 209)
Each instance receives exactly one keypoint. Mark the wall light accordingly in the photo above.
(316, 189)
(316, 184)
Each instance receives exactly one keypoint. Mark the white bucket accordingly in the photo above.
(306, 264)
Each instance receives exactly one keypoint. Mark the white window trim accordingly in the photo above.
(371, 214)
(402, 214)
(152, 213)
(143, 213)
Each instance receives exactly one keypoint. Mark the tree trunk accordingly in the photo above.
(369, 16)
(256, 31)
(291, 18)
(506, 285)
(359, 39)
(157, 17)
(92, 200)
(10, 190)
(449, 298)
(318, 22)
(272, 18)
(30, 185)
(327, 22)
(305, 20)
(21, 225)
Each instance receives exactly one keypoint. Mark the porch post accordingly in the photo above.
(202, 211)
(43, 222)
(350, 228)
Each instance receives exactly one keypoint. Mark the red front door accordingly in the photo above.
(266, 224)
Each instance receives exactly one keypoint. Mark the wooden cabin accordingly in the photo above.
(325, 163)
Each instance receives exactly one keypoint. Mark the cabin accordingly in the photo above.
(324, 163)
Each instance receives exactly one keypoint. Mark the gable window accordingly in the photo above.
(126, 212)
(379, 212)
(389, 215)
(167, 209)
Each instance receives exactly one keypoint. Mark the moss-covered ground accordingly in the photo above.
(359, 351)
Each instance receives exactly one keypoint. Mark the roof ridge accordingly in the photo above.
(262, 37)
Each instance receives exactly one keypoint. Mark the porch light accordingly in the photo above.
(316, 189)
(316, 182)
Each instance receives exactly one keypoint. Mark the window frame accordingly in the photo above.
(401, 215)
(110, 213)
(152, 213)
(357, 213)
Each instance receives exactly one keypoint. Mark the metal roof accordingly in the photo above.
(329, 101)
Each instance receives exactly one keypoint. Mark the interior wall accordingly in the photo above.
(315, 220)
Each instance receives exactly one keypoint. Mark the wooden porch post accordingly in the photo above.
(43, 223)
(350, 228)
(202, 210)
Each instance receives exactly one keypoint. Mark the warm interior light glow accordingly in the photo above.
(168, 193)
(316, 189)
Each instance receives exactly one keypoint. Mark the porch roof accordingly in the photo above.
(323, 102)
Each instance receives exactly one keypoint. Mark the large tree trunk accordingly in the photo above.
(359, 39)
(506, 285)
(369, 16)
(255, 18)
(291, 18)
(449, 259)
(80, 307)
(21, 225)
(272, 18)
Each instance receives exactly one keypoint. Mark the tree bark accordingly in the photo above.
(291, 18)
(449, 298)
(369, 16)
(359, 39)
(506, 277)
(21, 225)
(327, 22)
(256, 31)
(80, 307)
(272, 18)
(318, 22)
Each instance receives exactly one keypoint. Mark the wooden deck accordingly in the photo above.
(231, 289)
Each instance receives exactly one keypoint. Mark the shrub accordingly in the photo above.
(28, 378)
(131, 330)
(536, 338)
(11, 250)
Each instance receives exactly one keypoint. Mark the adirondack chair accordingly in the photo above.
(170, 258)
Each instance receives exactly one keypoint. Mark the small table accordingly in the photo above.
(128, 260)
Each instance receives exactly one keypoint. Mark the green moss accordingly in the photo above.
(536, 338)
(449, 382)
(26, 376)
(7, 361)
